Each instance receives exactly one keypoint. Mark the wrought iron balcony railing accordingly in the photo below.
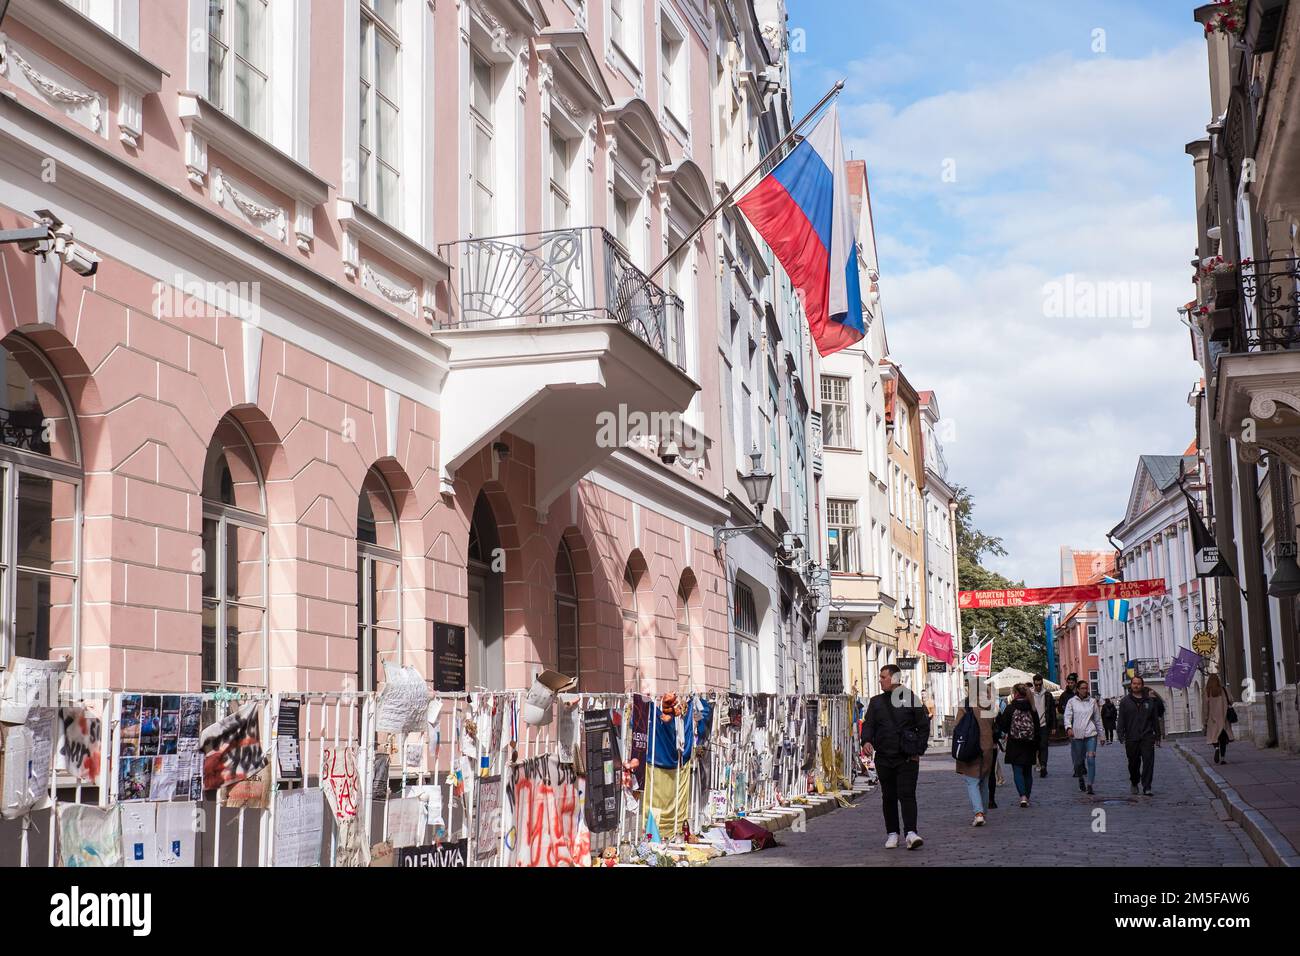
(1270, 309)
(566, 275)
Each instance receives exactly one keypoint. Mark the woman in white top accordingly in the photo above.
(1083, 727)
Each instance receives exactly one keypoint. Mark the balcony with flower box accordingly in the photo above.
(546, 332)
(1257, 393)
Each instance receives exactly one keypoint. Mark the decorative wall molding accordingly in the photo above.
(109, 55)
(266, 216)
(87, 106)
(394, 293)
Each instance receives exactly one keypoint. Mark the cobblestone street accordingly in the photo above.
(1182, 825)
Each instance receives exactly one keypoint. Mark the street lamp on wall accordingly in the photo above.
(757, 485)
(909, 612)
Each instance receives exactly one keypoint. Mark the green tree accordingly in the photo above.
(1023, 642)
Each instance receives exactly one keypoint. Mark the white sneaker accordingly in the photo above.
(892, 842)
(978, 821)
(914, 840)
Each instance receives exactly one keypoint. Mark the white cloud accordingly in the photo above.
(1064, 167)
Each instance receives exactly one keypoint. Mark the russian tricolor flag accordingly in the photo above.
(802, 209)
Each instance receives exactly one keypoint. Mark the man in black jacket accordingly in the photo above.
(1139, 726)
(895, 723)
(1045, 706)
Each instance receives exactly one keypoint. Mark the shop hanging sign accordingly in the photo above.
(1071, 594)
(907, 663)
(936, 667)
(1205, 643)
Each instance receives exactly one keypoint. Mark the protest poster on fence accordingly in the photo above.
(403, 701)
(299, 827)
(78, 754)
(232, 747)
(29, 683)
(27, 763)
(89, 836)
(435, 855)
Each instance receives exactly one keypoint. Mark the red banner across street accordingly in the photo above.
(1071, 594)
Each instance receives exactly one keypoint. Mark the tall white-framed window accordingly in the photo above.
(119, 17)
(561, 206)
(626, 206)
(674, 78)
(483, 159)
(239, 61)
(40, 508)
(380, 132)
(624, 32)
(837, 424)
(842, 535)
(234, 585)
(744, 651)
(1092, 639)
(379, 581)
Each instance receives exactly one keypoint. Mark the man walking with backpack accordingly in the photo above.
(895, 732)
(1139, 727)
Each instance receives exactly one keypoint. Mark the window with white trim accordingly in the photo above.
(380, 134)
(836, 421)
(673, 82)
(744, 651)
(40, 508)
(482, 109)
(1092, 639)
(842, 535)
(561, 166)
(239, 60)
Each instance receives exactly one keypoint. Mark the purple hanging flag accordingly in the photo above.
(1182, 669)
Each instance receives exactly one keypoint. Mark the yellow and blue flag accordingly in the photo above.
(1116, 610)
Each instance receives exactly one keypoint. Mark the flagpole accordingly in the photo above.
(794, 130)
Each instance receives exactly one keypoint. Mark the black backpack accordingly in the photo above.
(966, 738)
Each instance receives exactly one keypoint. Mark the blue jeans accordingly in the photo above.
(1084, 754)
(1024, 777)
(977, 788)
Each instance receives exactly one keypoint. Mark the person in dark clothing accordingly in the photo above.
(1045, 707)
(1019, 723)
(1108, 715)
(1071, 688)
(890, 715)
(1139, 726)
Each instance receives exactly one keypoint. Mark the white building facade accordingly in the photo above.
(1156, 543)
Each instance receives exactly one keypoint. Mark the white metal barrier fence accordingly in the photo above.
(308, 780)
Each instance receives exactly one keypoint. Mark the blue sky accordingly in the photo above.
(1014, 151)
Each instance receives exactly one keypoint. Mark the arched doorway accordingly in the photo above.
(379, 580)
(485, 663)
(568, 660)
(234, 561)
(686, 649)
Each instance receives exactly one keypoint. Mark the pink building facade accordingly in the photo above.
(308, 407)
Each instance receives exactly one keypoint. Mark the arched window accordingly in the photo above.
(744, 651)
(40, 507)
(566, 614)
(234, 561)
(379, 580)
